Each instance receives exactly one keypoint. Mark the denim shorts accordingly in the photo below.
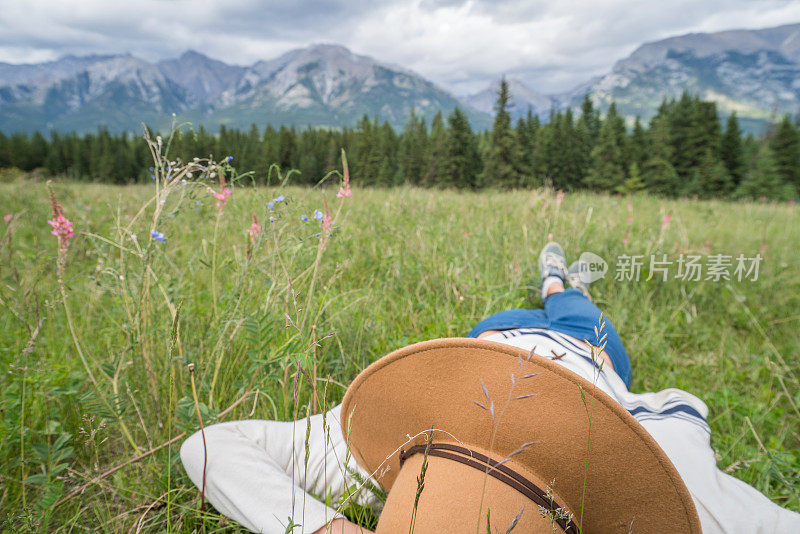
(570, 313)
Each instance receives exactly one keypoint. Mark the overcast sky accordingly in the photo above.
(551, 45)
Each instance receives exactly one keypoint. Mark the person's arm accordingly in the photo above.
(258, 473)
(724, 504)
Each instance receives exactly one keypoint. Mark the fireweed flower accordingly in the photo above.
(254, 229)
(62, 229)
(344, 189)
(559, 196)
(327, 220)
(222, 197)
(158, 236)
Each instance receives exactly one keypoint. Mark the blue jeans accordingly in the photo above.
(569, 313)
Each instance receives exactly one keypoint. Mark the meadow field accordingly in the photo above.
(96, 353)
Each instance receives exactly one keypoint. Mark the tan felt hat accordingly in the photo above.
(511, 432)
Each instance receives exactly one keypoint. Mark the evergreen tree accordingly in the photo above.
(785, 145)
(561, 150)
(590, 117)
(502, 163)
(526, 146)
(574, 162)
(437, 149)
(387, 171)
(55, 161)
(37, 151)
(620, 133)
(413, 145)
(366, 157)
(763, 179)
(587, 129)
(711, 178)
(287, 147)
(633, 183)
(731, 150)
(463, 160)
(694, 131)
(638, 145)
(606, 172)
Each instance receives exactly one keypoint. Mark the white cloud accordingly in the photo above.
(460, 44)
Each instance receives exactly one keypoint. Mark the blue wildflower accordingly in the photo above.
(304, 218)
(158, 236)
(318, 215)
(272, 219)
(278, 199)
(271, 205)
(229, 158)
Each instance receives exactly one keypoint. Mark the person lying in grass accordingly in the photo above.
(612, 460)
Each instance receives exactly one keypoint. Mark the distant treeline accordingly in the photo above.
(682, 151)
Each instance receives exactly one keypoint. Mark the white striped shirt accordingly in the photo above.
(677, 421)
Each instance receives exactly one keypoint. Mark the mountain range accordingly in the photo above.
(755, 73)
(323, 85)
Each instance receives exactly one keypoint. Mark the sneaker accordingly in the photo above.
(574, 279)
(552, 262)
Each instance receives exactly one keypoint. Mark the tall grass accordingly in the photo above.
(277, 326)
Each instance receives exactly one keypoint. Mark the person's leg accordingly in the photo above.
(570, 312)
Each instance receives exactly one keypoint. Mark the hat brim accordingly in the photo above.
(628, 479)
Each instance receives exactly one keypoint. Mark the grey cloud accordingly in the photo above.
(460, 44)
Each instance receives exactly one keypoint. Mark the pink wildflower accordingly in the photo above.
(254, 229)
(559, 197)
(550, 237)
(327, 220)
(665, 221)
(625, 241)
(7, 217)
(344, 190)
(222, 197)
(630, 207)
(629, 220)
(62, 229)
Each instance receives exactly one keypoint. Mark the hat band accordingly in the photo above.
(501, 472)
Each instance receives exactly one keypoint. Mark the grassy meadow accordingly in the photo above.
(95, 371)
